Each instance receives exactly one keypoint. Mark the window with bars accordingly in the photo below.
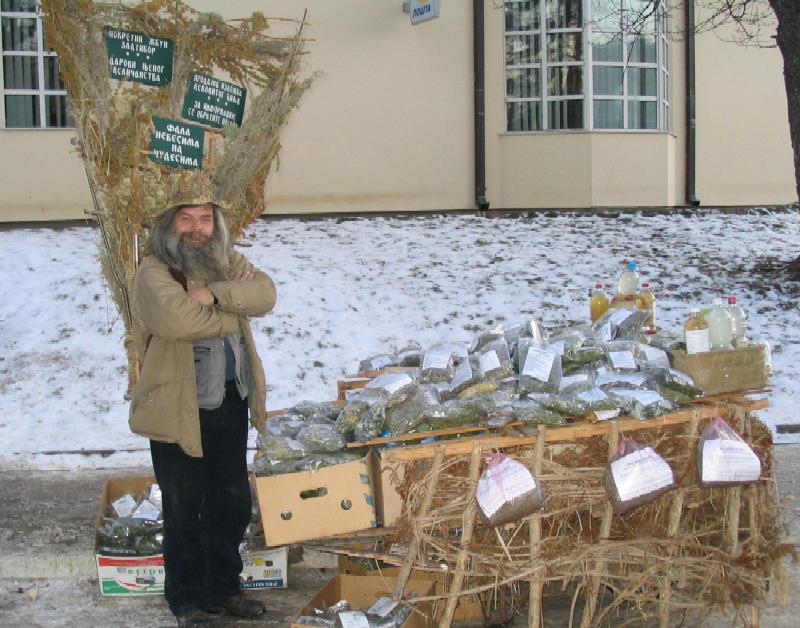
(586, 64)
(33, 94)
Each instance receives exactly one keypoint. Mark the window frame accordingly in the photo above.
(660, 66)
(41, 92)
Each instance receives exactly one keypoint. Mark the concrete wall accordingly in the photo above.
(744, 153)
(388, 127)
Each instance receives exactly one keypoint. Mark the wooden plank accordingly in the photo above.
(665, 584)
(535, 537)
(568, 433)
(593, 587)
(450, 431)
(468, 526)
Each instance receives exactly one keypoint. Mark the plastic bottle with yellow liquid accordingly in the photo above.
(598, 302)
(695, 332)
(646, 300)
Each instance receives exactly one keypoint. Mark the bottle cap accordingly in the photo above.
(631, 265)
(731, 300)
(598, 285)
(645, 285)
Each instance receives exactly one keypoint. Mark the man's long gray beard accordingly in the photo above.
(208, 261)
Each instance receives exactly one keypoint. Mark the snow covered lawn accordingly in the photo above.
(351, 288)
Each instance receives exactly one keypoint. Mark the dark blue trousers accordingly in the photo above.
(206, 508)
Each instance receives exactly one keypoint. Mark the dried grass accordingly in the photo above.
(723, 552)
(113, 119)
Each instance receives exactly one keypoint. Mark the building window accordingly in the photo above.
(33, 94)
(586, 64)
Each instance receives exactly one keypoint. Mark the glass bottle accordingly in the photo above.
(695, 332)
(720, 327)
(598, 302)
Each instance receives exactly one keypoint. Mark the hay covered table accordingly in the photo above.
(691, 549)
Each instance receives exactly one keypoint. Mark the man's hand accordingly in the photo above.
(201, 295)
(243, 275)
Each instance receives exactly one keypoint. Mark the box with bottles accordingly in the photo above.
(742, 368)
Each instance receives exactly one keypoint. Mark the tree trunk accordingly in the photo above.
(788, 40)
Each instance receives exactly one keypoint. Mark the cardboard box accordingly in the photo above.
(316, 504)
(743, 368)
(469, 608)
(127, 575)
(144, 575)
(388, 474)
(362, 591)
(265, 569)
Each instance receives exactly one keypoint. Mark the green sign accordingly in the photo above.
(138, 57)
(177, 144)
(213, 102)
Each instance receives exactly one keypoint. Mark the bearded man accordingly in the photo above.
(190, 300)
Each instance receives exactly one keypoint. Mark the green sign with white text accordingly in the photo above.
(138, 57)
(177, 144)
(213, 102)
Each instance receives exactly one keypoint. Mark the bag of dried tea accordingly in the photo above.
(507, 491)
(391, 387)
(724, 459)
(467, 374)
(636, 475)
(437, 366)
(540, 369)
(495, 360)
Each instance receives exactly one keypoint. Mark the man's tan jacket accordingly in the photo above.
(165, 322)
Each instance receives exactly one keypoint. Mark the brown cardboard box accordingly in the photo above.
(362, 591)
(469, 608)
(144, 575)
(743, 368)
(127, 575)
(316, 504)
(387, 473)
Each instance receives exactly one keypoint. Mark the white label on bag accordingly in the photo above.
(558, 346)
(503, 483)
(593, 394)
(436, 359)
(698, 341)
(124, 505)
(605, 415)
(353, 619)
(146, 510)
(645, 397)
(634, 379)
(622, 359)
(539, 363)
(726, 460)
(382, 607)
(572, 380)
(655, 356)
(489, 361)
(462, 374)
(640, 473)
(391, 382)
(619, 316)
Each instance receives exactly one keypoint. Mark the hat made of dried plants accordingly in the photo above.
(192, 187)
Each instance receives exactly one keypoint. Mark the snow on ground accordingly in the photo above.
(352, 288)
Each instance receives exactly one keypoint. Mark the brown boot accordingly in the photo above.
(242, 605)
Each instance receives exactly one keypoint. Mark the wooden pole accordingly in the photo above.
(413, 545)
(535, 619)
(665, 584)
(468, 526)
(593, 587)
